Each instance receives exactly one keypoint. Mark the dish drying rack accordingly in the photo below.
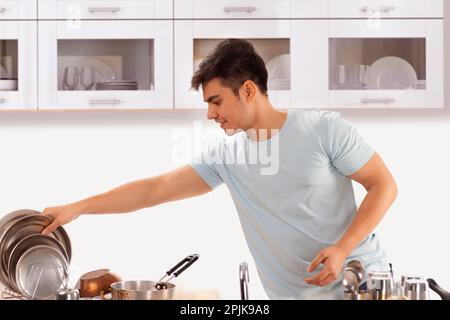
(33, 281)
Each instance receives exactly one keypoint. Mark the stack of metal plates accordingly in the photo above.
(33, 265)
(117, 85)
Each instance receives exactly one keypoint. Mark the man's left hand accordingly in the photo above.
(333, 259)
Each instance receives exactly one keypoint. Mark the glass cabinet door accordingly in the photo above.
(195, 39)
(385, 63)
(106, 64)
(18, 69)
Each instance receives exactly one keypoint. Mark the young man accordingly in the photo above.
(299, 216)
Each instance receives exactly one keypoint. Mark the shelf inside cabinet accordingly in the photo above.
(117, 64)
(8, 65)
(377, 64)
(274, 52)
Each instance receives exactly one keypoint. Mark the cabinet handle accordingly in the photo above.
(249, 10)
(382, 9)
(2, 10)
(105, 101)
(104, 9)
(376, 100)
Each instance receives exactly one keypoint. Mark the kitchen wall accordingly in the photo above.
(51, 158)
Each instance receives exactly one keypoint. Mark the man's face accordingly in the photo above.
(232, 113)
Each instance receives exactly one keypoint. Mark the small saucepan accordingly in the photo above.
(151, 290)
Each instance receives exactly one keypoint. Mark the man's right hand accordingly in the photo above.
(60, 215)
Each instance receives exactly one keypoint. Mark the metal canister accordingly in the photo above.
(67, 294)
(380, 285)
(403, 280)
(416, 289)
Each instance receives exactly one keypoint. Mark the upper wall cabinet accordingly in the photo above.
(386, 9)
(195, 39)
(249, 9)
(142, 54)
(92, 64)
(290, 54)
(105, 9)
(389, 63)
(18, 67)
(288, 9)
(18, 9)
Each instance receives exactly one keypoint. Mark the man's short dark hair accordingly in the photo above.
(232, 61)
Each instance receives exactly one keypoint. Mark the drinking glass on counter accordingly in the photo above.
(416, 289)
(380, 285)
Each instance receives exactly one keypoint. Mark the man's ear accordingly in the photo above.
(249, 89)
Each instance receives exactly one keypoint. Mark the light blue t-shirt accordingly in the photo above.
(293, 197)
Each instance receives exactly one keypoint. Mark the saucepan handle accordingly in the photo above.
(445, 295)
(185, 263)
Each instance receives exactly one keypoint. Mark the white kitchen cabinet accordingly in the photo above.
(105, 9)
(125, 50)
(384, 63)
(195, 39)
(18, 65)
(310, 9)
(386, 9)
(319, 54)
(232, 9)
(310, 63)
(18, 9)
(249, 9)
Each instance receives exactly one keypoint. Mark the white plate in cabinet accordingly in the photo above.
(195, 39)
(18, 61)
(386, 9)
(105, 9)
(18, 9)
(417, 44)
(131, 50)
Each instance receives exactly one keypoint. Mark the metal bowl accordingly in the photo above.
(40, 272)
(97, 282)
(5, 224)
(23, 246)
(20, 225)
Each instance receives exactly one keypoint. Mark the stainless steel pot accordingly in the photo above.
(151, 290)
(141, 290)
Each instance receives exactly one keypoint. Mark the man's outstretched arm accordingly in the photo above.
(178, 184)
